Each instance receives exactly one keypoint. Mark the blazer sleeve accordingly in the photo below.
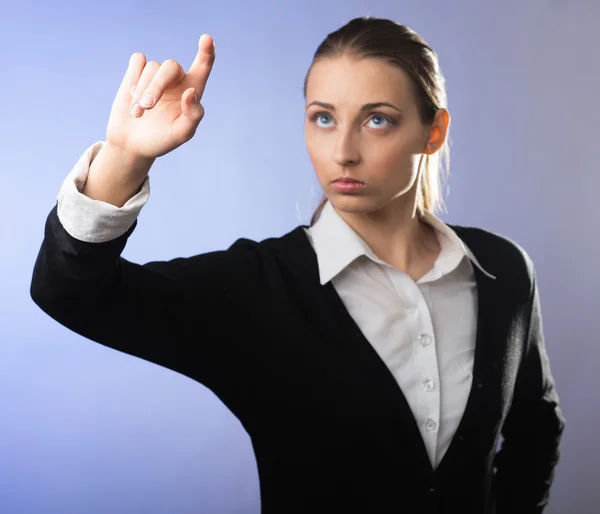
(180, 314)
(533, 427)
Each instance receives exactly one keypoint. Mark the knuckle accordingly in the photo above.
(168, 71)
(173, 69)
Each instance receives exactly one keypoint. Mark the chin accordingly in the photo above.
(354, 203)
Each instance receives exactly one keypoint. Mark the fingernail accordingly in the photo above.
(147, 101)
(136, 110)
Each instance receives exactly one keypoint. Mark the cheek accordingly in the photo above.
(394, 159)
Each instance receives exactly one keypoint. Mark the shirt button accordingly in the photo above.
(430, 425)
(428, 385)
(424, 339)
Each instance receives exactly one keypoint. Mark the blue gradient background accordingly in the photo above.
(85, 429)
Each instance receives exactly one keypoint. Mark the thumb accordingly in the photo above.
(190, 105)
(192, 112)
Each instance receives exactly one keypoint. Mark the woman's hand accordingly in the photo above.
(145, 131)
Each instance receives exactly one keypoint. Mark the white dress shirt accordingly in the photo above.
(424, 331)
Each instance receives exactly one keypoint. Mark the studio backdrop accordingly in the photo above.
(85, 429)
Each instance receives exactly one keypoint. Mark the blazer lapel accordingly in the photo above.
(487, 356)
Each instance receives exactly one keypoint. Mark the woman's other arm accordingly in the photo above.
(533, 428)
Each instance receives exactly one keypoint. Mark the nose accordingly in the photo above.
(346, 150)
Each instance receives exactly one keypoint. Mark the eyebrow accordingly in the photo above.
(365, 107)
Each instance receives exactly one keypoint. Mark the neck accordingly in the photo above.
(398, 236)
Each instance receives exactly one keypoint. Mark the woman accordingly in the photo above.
(374, 357)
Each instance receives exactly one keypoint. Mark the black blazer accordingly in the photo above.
(330, 428)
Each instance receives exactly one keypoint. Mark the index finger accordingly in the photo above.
(201, 67)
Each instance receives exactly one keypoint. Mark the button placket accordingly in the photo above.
(426, 360)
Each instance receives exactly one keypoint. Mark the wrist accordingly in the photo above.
(130, 163)
(115, 175)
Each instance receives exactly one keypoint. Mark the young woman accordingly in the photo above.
(376, 356)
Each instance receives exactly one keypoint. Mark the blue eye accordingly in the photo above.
(381, 118)
(319, 115)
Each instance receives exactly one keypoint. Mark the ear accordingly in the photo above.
(438, 132)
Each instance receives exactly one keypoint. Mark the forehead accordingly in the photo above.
(345, 80)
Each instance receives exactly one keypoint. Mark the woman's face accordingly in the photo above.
(379, 145)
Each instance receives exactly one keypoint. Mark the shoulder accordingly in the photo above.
(290, 241)
(498, 254)
(291, 249)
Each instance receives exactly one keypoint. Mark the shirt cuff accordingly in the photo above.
(95, 221)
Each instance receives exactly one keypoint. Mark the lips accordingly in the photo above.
(347, 185)
(347, 181)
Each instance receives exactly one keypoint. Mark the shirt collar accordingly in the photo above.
(337, 245)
